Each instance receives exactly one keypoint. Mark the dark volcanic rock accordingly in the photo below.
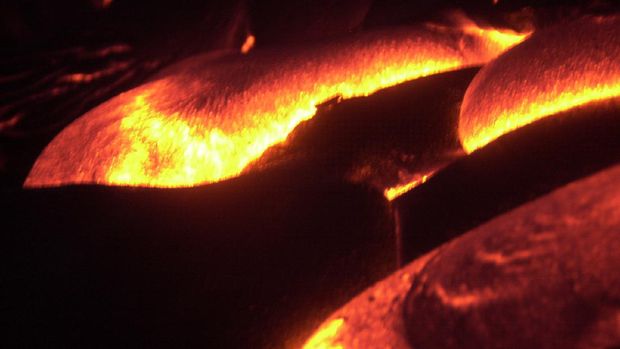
(544, 275)
(511, 171)
(245, 263)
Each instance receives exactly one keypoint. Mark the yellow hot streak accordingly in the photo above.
(398, 190)
(557, 69)
(325, 337)
(170, 151)
(206, 120)
(496, 40)
(544, 105)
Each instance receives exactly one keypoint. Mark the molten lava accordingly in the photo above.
(535, 269)
(373, 318)
(398, 190)
(324, 338)
(248, 44)
(556, 69)
(204, 119)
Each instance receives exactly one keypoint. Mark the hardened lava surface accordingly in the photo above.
(544, 275)
(541, 276)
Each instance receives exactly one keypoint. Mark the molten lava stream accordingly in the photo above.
(204, 119)
(557, 69)
(400, 189)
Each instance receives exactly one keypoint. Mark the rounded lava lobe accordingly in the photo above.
(554, 70)
(542, 276)
(211, 115)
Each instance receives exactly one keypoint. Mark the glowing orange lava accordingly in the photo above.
(90, 77)
(325, 337)
(373, 317)
(206, 118)
(248, 44)
(555, 70)
(398, 190)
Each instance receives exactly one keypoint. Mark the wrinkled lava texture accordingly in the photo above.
(542, 276)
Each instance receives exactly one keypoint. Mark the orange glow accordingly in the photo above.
(209, 116)
(374, 318)
(248, 44)
(556, 70)
(325, 337)
(396, 191)
(90, 77)
(496, 40)
(179, 147)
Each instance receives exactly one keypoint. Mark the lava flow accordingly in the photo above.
(556, 69)
(324, 338)
(204, 119)
(398, 190)
(506, 277)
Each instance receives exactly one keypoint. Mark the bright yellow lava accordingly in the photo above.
(170, 151)
(168, 148)
(557, 69)
(207, 120)
(325, 337)
(543, 105)
(497, 40)
(396, 191)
